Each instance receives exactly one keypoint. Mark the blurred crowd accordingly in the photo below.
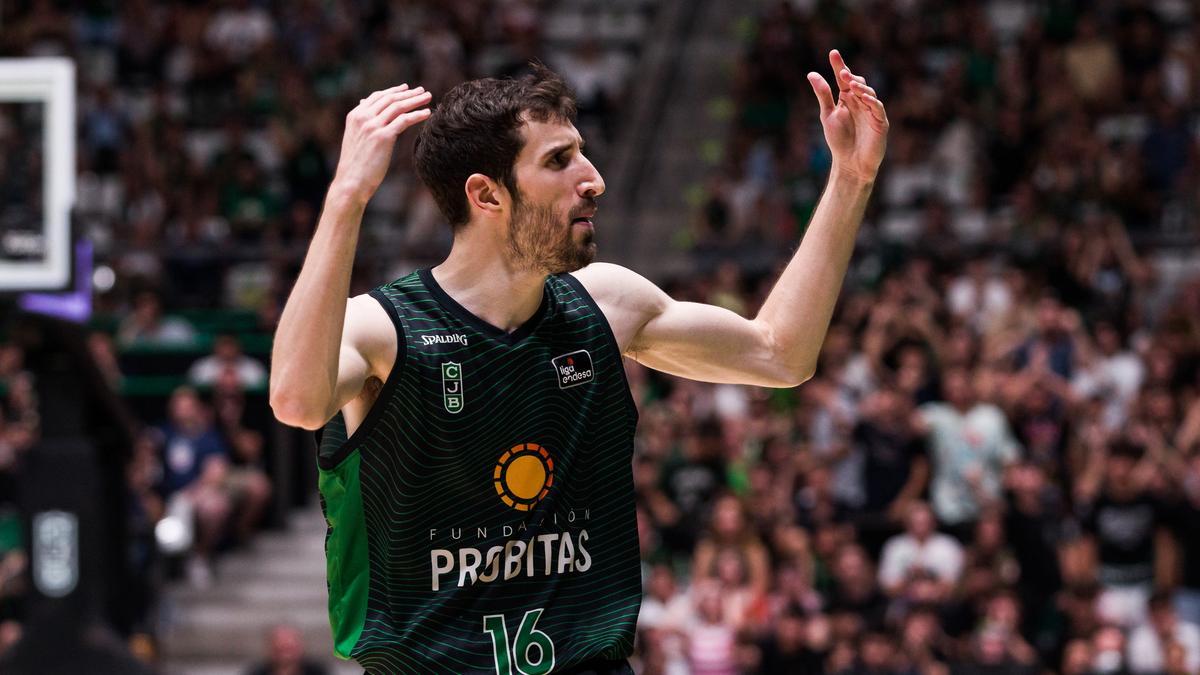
(996, 468)
(209, 132)
(1012, 122)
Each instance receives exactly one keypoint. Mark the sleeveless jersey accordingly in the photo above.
(481, 519)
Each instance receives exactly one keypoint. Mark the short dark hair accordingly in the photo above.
(475, 128)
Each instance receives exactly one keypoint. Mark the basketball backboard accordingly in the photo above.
(37, 172)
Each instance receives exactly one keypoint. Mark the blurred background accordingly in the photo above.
(996, 468)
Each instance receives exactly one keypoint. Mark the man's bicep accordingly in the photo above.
(692, 340)
(709, 343)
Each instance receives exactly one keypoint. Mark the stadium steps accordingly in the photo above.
(677, 145)
(221, 630)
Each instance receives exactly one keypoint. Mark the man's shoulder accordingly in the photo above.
(900, 544)
(603, 277)
(371, 329)
(615, 287)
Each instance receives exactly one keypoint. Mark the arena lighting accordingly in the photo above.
(103, 279)
(173, 535)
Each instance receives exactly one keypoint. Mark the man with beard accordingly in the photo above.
(476, 426)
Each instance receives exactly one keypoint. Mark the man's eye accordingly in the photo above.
(559, 160)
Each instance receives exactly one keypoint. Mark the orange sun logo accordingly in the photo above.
(523, 475)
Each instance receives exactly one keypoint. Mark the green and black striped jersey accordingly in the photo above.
(481, 519)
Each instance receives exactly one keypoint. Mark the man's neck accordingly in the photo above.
(488, 285)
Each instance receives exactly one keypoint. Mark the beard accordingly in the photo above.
(540, 241)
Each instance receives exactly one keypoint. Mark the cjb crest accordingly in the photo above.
(452, 387)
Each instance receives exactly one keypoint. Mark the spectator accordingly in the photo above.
(285, 654)
(730, 534)
(1033, 526)
(895, 466)
(971, 444)
(1150, 641)
(1111, 372)
(146, 325)
(711, 643)
(1091, 61)
(227, 355)
(992, 652)
(792, 646)
(1077, 658)
(989, 549)
(246, 482)
(920, 547)
(923, 641)
(239, 29)
(1121, 520)
(10, 634)
(876, 656)
(855, 590)
(691, 479)
(195, 471)
(664, 612)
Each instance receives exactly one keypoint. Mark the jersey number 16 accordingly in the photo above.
(528, 638)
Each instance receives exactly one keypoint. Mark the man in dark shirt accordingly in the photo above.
(195, 465)
(1122, 522)
(895, 466)
(786, 649)
(855, 589)
(1033, 523)
(691, 480)
(190, 442)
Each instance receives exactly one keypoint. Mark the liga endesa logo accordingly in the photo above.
(573, 369)
(523, 475)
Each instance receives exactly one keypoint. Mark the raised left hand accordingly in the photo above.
(856, 126)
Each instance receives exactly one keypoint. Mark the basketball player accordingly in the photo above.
(476, 425)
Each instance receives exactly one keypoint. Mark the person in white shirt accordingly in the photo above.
(970, 444)
(664, 614)
(227, 354)
(919, 547)
(1149, 643)
(1112, 372)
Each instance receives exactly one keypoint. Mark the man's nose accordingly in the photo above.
(593, 184)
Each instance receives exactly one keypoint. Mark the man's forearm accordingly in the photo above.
(797, 312)
(304, 357)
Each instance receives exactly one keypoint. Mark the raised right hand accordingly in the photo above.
(371, 132)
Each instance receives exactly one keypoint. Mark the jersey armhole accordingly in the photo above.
(329, 459)
(577, 286)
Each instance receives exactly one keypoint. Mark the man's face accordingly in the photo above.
(956, 386)
(184, 407)
(287, 646)
(920, 522)
(550, 229)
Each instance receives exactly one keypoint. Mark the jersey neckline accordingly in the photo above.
(463, 314)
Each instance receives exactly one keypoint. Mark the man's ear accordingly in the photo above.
(485, 194)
